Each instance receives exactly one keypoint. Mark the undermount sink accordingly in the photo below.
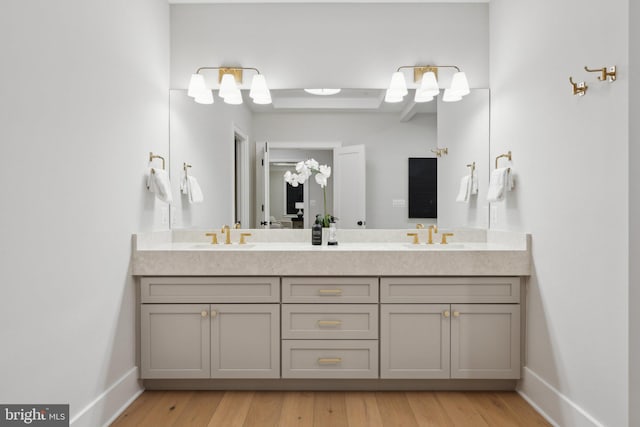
(233, 246)
(435, 246)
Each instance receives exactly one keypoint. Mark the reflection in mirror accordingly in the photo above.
(235, 186)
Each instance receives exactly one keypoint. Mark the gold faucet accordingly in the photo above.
(214, 238)
(242, 238)
(415, 238)
(432, 229)
(444, 238)
(419, 226)
(227, 230)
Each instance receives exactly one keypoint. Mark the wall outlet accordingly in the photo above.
(399, 203)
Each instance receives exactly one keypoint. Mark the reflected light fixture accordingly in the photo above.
(428, 88)
(323, 91)
(230, 79)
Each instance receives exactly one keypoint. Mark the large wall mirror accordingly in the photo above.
(239, 154)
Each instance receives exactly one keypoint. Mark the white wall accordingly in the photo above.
(634, 213)
(463, 128)
(329, 45)
(83, 100)
(570, 156)
(203, 136)
(389, 144)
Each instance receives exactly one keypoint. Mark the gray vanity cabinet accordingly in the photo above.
(175, 340)
(414, 341)
(469, 338)
(207, 335)
(485, 341)
(245, 341)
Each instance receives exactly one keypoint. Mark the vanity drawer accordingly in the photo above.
(450, 290)
(329, 359)
(330, 321)
(330, 289)
(210, 289)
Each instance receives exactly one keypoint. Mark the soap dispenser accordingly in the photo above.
(316, 232)
(333, 239)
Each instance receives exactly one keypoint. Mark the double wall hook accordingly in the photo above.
(606, 73)
(579, 88)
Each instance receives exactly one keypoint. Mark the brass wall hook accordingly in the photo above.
(606, 73)
(440, 151)
(579, 88)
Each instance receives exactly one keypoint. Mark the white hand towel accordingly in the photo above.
(474, 183)
(464, 190)
(195, 192)
(159, 184)
(499, 183)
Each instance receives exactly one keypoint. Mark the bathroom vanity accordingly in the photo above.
(374, 312)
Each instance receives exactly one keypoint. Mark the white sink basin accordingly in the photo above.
(220, 247)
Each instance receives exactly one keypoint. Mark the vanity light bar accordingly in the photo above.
(428, 89)
(229, 78)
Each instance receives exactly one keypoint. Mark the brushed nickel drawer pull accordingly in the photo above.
(329, 360)
(329, 322)
(330, 291)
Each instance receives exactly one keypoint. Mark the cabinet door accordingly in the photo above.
(245, 341)
(175, 340)
(485, 341)
(414, 340)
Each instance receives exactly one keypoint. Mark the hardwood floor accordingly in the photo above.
(328, 409)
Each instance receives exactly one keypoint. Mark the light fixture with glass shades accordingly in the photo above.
(427, 78)
(229, 78)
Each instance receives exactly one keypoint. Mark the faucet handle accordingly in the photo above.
(242, 238)
(419, 226)
(415, 238)
(444, 238)
(214, 238)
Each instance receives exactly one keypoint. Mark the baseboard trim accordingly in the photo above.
(554, 406)
(105, 408)
(315, 384)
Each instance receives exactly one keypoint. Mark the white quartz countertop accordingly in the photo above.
(184, 253)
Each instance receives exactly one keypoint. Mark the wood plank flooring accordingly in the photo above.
(328, 409)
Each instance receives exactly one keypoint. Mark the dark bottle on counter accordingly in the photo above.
(316, 232)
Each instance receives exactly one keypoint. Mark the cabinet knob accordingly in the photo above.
(203, 313)
(456, 314)
(446, 313)
(214, 313)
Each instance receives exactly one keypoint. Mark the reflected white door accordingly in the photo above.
(262, 184)
(349, 186)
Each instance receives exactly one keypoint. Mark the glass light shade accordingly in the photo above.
(299, 205)
(262, 101)
(450, 96)
(429, 85)
(234, 98)
(259, 90)
(205, 97)
(391, 98)
(422, 96)
(398, 85)
(196, 86)
(227, 85)
(459, 84)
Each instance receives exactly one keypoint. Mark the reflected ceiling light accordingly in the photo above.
(323, 91)
(230, 79)
(427, 75)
